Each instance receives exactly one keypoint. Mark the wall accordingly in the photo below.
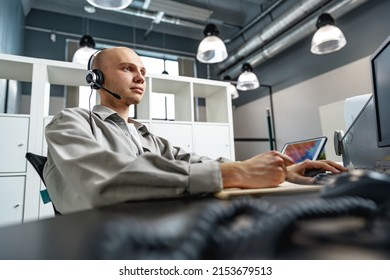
(40, 24)
(11, 27)
(296, 108)
(11, 42)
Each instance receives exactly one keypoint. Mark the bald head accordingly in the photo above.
(106, 57)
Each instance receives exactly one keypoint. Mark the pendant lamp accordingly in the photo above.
(110, 4)
(86, 49)
(247, 79)
(211, 49)
(165, 70)
(328, 38)
(231, 88)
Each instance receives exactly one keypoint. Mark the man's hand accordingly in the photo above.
(271, 169)
(264, 170)
(295, 173)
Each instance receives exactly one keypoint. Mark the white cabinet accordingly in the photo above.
(212, 140)
(14, 140)
(178, 134)
(210, 134)
(11, 200)
(13, 148)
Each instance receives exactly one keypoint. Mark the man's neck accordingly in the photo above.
(124, 114)
(122, 111)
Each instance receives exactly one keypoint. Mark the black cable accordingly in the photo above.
(243, 229)
(90, 112)
(262, 238)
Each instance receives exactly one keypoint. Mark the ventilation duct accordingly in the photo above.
(164, 19)
(298, 33)
(172, 8)
(290, 17)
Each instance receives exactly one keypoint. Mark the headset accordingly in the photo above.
(95, 77)
(95, 80)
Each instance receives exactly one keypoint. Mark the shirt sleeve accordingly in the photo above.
(82, 172)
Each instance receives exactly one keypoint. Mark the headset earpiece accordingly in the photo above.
(95, 78)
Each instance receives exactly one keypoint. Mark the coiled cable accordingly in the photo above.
(246, 228)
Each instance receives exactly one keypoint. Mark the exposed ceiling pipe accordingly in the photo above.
(290, 17)
(165, 18)
(254, 21)
(338, 9)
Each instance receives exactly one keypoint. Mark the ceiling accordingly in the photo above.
(185, 18)
(253, 30)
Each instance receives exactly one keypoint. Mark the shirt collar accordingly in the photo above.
(104, 113)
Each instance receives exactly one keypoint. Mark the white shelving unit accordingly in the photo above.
(13, 148)
(19, 183)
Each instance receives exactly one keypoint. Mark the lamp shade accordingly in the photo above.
(87, 48)
(328, 38)
(110, 4)
(233, 91)
(247, 79)
(211, 49)
(231, 88)
(82, 55)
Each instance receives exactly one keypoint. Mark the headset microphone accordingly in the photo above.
(117, 96)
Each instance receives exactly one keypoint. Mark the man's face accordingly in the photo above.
(124, 74)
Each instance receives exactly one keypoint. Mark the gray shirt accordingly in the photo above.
(93, 161)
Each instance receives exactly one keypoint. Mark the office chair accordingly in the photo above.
(38, 162)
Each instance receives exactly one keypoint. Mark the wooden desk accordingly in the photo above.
(88, 234)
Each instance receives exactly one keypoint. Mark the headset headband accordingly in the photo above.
(91, 59)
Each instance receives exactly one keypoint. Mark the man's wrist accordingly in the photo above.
(231, 174)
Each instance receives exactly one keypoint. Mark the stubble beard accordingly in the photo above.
(134, 100)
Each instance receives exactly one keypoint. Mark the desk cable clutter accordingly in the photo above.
(247, 228)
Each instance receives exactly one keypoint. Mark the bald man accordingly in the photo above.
(103, 157)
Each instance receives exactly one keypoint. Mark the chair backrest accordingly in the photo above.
(38, 162)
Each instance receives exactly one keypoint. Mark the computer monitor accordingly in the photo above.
(380, 70)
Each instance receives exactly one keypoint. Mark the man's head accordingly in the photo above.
(123, 74)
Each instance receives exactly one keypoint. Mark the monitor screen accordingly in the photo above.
(380, 67)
